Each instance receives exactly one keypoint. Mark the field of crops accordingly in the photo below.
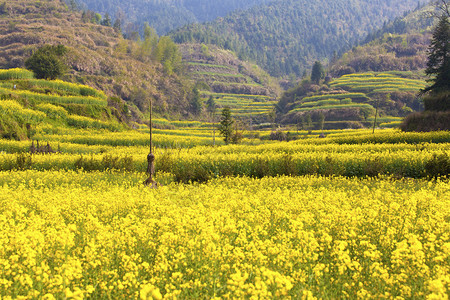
(243, 105)
(104, 235)
(358, 97)
(353, 215)
(377, 82)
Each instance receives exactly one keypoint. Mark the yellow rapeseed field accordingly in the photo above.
(74, 235)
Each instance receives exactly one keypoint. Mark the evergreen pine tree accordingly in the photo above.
(106, 21)
(211, 105)
(196, 102)
(226, 125)
(317, 72)
(439, 57)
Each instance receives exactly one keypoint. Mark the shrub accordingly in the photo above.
(427, 121)
(437, 101)
(46, 62)
(439, 165)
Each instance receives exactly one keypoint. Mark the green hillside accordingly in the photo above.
(29, 105)
(245, 88)
(221, 71)
(287, 36)
(386, 72)
(352, 100)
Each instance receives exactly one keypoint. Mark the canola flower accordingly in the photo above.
(102, 235)
(202, 163)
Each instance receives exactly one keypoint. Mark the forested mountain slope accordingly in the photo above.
(166, 15)
(288, 36)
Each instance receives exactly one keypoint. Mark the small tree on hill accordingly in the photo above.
(46, 62)
(211, 105)
(317, 72)
(321, 121)
(211, 109)
(106, 21)
(226, 125)
(196, 102)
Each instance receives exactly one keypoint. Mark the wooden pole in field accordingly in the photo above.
(151, 156)
(375, 120)
(151, 126)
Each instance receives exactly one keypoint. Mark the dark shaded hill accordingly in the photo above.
(166, 15)
(288, 36)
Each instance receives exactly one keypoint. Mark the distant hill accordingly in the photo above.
(98, 56)
(400, 45)
(287, 36)
(386, 72)
(245, 88)
(165, 16)
(223, 72)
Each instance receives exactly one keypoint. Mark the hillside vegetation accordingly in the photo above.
(352, 100)
(165, 15)
(245, 88)
(27, 105)
(384, 75)
(400, 45)
(97, 55)
(286, 37)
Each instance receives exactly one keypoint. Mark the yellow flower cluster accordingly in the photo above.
(103, 235)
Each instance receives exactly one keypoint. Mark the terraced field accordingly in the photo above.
(377, 83)
(27, 102)
(243, 87)
(243, 106)
(354, 98)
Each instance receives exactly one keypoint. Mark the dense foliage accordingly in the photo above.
(438, 64)
(165, 15)
(280, 37)
(46, 62)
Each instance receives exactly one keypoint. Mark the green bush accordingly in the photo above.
(46, 62)
(438, 166)
(427, 121)
(437, 102)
